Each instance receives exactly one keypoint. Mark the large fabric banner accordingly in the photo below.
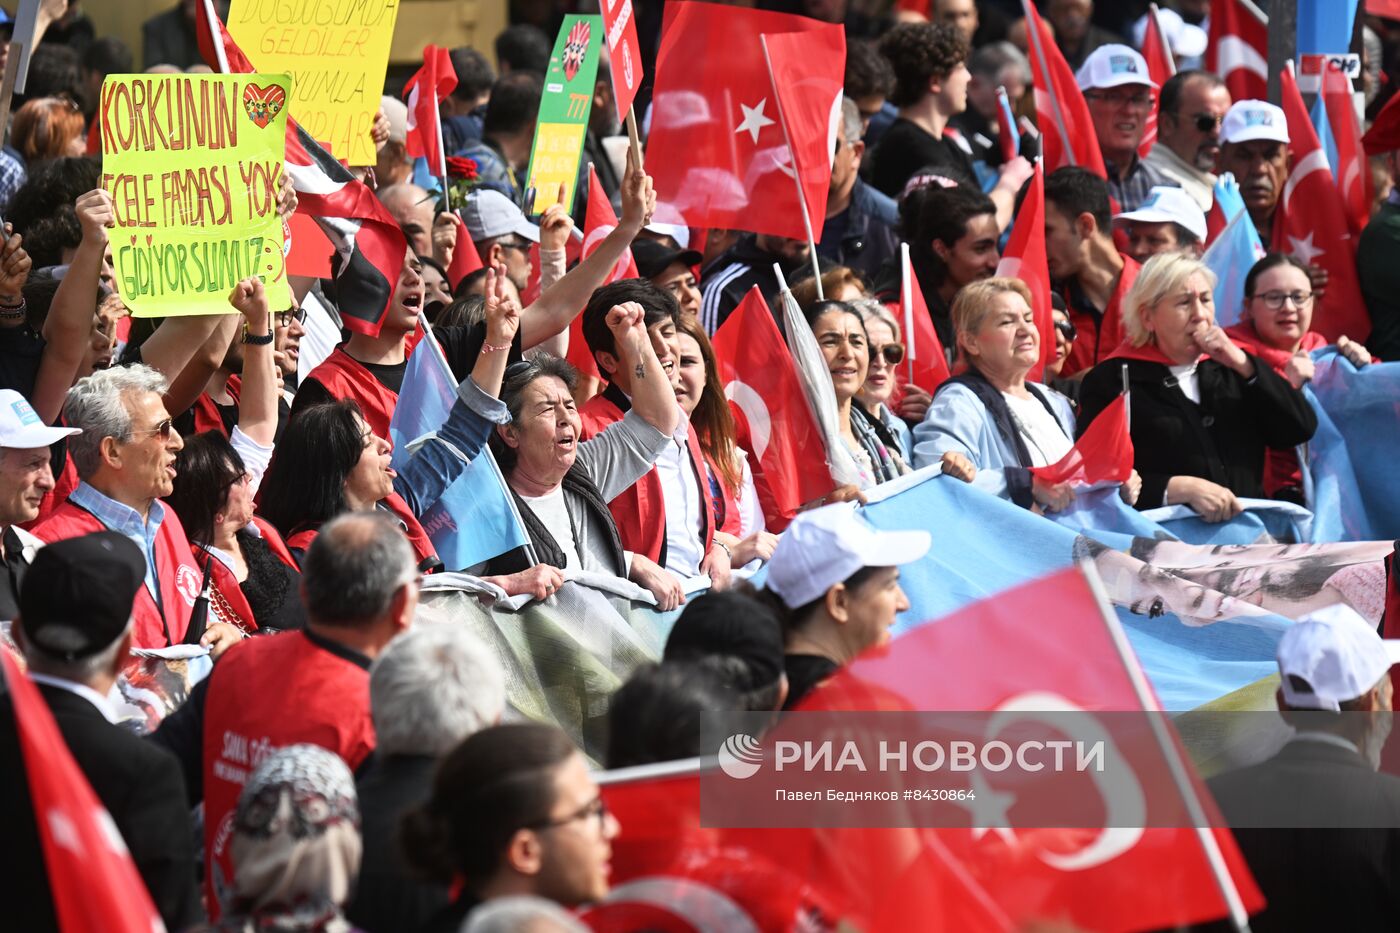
(193, 164)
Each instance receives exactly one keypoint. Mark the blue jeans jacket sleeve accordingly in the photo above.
(437, 464)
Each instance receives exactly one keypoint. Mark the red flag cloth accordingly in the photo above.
(311, 251)
(807, 84)
(1160, 67)
(1024, 259)
(1310, 224)
(1061, 113)
(598, 222)
(1353, 173)
(369, 245)
(1067, 661)
(624, 54)
(1103, 454)
(1384, 134)
(716, 149)
(465, 259)
(1239, 50)
(761, 381)
(426, 90)
(94, 883)
(927, 357)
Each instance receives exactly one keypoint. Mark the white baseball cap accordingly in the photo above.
(1169, 204)
(825, 546)
(1337, 653)
(488, 213)
(1185, 40)
(1248, 120)
(22, 428)
(1112, 66)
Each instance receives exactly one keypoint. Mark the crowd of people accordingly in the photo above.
(190, 481)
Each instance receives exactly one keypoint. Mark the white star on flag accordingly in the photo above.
(754, 120)
(1304, 250)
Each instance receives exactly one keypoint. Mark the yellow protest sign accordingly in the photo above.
(193, 164)
(336, 52)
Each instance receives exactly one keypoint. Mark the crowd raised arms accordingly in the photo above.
(404, 449)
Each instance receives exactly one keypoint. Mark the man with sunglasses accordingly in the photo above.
(1192, 106)
(1119, 92)
(125, 457)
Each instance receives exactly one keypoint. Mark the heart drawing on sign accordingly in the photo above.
(263, 103)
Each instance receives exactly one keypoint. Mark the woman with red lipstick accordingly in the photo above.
(1276, 327)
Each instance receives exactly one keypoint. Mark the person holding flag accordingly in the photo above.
(1204, 411)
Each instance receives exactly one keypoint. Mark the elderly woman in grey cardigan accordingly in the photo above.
(562, 486)
(989, 425)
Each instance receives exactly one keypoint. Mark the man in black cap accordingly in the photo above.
(74, 628)
(738, 638)
(671, 269)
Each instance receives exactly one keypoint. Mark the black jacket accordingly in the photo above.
(388, 896)
(728, 278)
(1342, 875)
(141, 786)
(1223, 439)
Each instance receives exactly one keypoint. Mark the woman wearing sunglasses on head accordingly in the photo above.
(989, 425)
(1275, 326)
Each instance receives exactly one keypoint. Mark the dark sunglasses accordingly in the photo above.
(892, 352)
(164, 429)
(1066, 330)
(1207, 123)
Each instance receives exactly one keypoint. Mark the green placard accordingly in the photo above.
(564, 108)
(193, 164)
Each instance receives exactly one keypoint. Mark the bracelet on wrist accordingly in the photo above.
(494, 348)
(257, 340)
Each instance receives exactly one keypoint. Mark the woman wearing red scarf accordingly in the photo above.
(1278, 309)
(1203, 410)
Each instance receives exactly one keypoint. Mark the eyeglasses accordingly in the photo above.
(892, 352)
(1140, 100)
(164, 429)
(524, 247)
(1206, 122)
(1274, 301)
(285, 318)
(595, 808)
(1066, 330)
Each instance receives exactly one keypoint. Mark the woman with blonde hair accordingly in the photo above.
(989, 425)
(1204, 410)
(887, 352)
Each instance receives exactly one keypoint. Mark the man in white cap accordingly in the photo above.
(1120, 95)
(1319, 827)
(26, 476)
(1254, 147)
(835, 581)
(1168, 221)
(1189, 114)
(501, 233)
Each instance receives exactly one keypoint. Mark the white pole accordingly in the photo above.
(1219, 870)
(1162, 35)
(796, 179)
(217, 40)
(906, 290)
(1033, 31)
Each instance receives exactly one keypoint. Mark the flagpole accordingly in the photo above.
(796, 180)
(1209, 844)
(1156, 14)
(1033, 20)
(634, 138)
(906, 274)
(214, 38)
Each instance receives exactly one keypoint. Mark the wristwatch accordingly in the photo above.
(262, 341)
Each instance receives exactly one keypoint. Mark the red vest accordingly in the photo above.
(64, 483)
(343, 376)
(224, 584)
(1091, 343)
(422, 545)
(640, 511)
(266, 693)
(177, 574)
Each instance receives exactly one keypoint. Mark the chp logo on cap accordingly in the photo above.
(1258, 118)
(24, 412)
(740, 756)
(1122, 64)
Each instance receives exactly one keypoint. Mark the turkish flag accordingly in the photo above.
(1061, 113)
(806, 72)
(1353, 173)
(94, 883)
(777, 427)
(1160, 67)
(1239, 49)
(928, 363)
(716, 150)
(1103, 454)
(1024, 259)
(428, 87)
(624, 54)
(599, 221)
(1310, 224)
(465, 259)
(1069, 661)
